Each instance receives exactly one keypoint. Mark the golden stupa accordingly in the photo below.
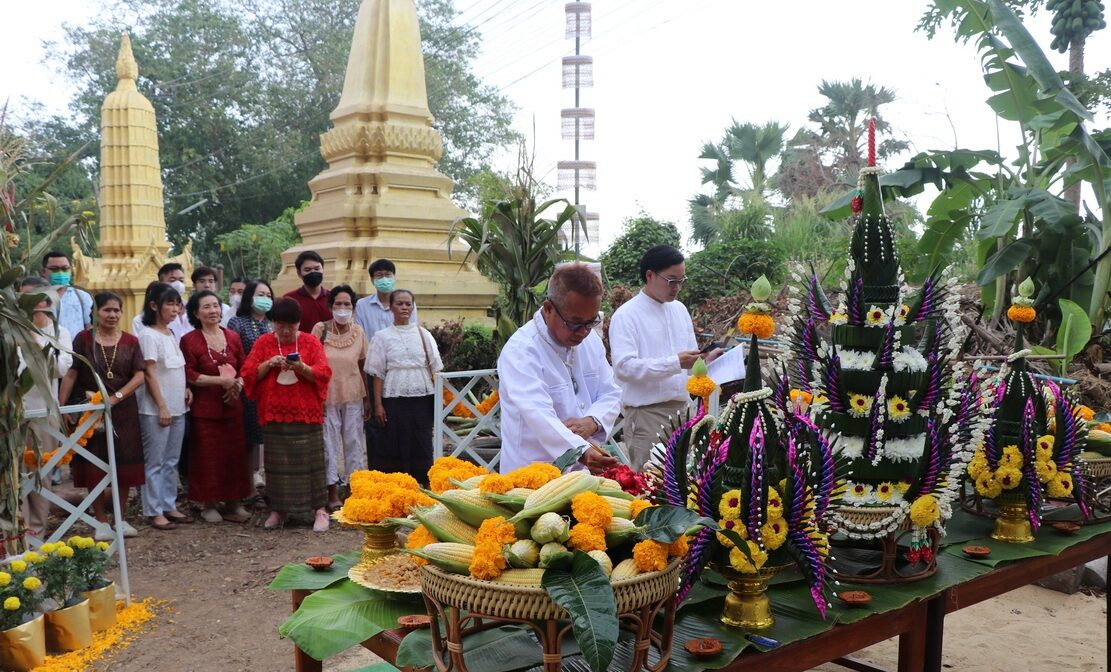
(133, 242)
(381, 194)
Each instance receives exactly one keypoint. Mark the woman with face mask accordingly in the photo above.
(348, 404)
(251, 322)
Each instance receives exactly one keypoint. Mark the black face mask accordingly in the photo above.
(313, 279)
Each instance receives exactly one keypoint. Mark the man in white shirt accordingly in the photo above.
(653, 347)
(73, 307)
(556, 387)
(372, 312)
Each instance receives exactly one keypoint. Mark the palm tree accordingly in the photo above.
(843, 123)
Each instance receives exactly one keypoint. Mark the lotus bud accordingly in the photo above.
(761, 289)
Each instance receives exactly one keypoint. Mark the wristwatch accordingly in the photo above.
(118, 395)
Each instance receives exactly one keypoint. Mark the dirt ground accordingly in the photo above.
(220, 616)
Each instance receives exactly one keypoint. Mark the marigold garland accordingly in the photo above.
(587, 538)
(774, 533)
(986, 485)
(729, 507)
(1008, 477)
(650, 556)
(924, 511)
(1047, 469)
(592, 509)
(1011, 457)
(96, 399)
(1060, 487)
(761, 325)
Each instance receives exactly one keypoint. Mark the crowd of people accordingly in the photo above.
(290, 394)
(295, 393)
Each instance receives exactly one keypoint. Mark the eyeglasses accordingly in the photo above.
(576, 326)
(671, 282)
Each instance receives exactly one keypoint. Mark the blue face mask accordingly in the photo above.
(62, 278)
(263, 304)
(384, 284)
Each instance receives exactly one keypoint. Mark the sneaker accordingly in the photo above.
(104, 533)
(128, 531)
(321, 524)
(259, 480)
(211, 516)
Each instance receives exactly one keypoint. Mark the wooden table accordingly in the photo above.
(1005, 579)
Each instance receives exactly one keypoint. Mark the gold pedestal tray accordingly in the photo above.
(747, 605)
(1012, 524)
(368, 575)
(466, 606)
(379, 540)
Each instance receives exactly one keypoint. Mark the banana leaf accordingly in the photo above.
(299, 576)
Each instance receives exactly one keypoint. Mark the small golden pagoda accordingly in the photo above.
(381, 194)
(133, 242)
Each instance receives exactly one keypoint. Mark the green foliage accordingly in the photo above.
(89, 565)
(300, 576)
(1074, 333)
(465, 347)
(255, 251)
(29, 600)
(585, 592)
(667, 523)
(500, 649)
(726, 267)
(244, 88)
(621, 260)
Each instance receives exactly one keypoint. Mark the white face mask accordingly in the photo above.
(342, 316)
(234, 301)
(178, 286)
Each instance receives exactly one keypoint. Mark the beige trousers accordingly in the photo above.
(646, 426)
(36, 508)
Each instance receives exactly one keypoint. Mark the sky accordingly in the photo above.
(670, 75)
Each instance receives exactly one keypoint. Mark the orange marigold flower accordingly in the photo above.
(1086, 413)
(679, 547)
(495, 483)
(701, 386)
(1021, 314)
(495, 530)
(487, 404)
(534, 475)
(419, 538)
(638, 505)
(801, 396)
(760, 324)
(587, 538)
(447, 468)
(488, 561)
(592, 509)
(650, 556)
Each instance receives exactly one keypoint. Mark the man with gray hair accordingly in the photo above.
(556, 388)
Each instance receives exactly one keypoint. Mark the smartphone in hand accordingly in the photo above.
(293, 357)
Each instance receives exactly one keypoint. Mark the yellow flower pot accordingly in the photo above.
(69, 629)
(102, 607)
(24, 646)
(1012, 524)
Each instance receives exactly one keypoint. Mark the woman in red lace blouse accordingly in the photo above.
(287, 373)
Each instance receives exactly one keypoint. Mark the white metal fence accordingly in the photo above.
(70, 443)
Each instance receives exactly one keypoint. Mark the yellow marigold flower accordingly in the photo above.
(740, 562)
(987, 486)
(638, 505)
(859, 405)
(488, 562)
(33, 557)
(902, 486)
(898, 409)
(924, 511)
(1021, 314)
(48, 548)
(1086, 414)
(1008, 477)
(31, 583)
(680, 547)
(876, 317)
(1011, 457)
(1046, 470)
(495, 483)
(65, 552)
(734, 525)
(19, 566)
(774, 533)
(729, 508)
(534, 475)
(5, 579)
(1060, 487)
(12, 604)
(592, 509)
(775, 504)
(447, 468)
(650, 556)
(419, 538)
(495, 530)
(102, 546)
(701, 386)
(760, 324)
(884, 491)
(586, 538)
(978, 465)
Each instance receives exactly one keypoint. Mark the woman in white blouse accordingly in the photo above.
(403, 360)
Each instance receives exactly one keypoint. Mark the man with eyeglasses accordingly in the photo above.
(556, 388)
(74, 307)
(653, 348)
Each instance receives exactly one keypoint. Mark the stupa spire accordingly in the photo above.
(127, 70)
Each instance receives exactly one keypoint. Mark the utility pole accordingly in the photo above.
(577, 124)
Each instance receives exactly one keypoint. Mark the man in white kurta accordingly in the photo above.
(653, 347)
(556, 388)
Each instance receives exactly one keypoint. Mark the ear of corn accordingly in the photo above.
(616, 494)
(609, 484)
(445, 525)
(450, 557)
(550, 527)
(619, 531)
(511, 502)
(470, 506)
(403, 522)
(521, 492)
(521, 577)
(626, 569)
(603, 561)
(554, 555)
(556, 494)
(621, 507)
(467, 483)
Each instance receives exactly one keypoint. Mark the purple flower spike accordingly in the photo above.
(816, 299)
(855, 300)
(833, 384)
(756, 493)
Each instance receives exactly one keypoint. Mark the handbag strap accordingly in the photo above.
(427, 357)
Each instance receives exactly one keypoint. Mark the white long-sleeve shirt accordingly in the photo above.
(646, 337)
(537, 394)
(63, 360)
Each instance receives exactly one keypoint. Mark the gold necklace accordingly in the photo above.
(108, 363)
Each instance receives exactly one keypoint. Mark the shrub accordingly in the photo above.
(724, 268)
(465, 347)
(621, 260)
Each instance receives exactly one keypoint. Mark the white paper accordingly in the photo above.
(729, 367)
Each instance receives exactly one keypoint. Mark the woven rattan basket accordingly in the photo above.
(526, 602)
(1100, 466)
(865, 515)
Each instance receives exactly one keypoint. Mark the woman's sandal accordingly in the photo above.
(162, 526)
(180, 518)
(277, 525)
